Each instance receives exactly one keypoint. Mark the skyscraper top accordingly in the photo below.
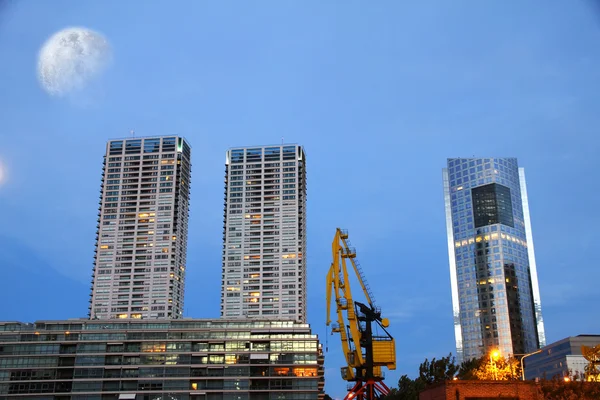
(147, 137)
(265, 145)
(265, 153)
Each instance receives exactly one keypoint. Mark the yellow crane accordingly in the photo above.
(366, 351)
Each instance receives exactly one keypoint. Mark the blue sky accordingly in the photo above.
(379, 93)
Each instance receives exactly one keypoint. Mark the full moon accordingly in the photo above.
(70, 59)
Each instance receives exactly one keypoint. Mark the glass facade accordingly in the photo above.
(183, 359)
(495, 294)
(560, 359)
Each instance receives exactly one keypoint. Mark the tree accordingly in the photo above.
(499, 369)
(438, 371)
(430, 373)
(408, 389)
(592, 355)
(558, 389)
(467, 368)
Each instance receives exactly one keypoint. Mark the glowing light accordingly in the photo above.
(2, 173)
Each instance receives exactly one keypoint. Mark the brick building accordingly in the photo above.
(480, 390)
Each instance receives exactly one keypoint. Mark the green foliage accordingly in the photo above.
(591, 372)
(557, 389)
(430, 373)
(467, 368)
(436, 371)
(500, 369)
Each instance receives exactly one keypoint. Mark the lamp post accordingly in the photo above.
(493, 356)
(526, 355)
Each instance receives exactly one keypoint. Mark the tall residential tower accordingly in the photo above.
(264, 233)
(141, 240)
(495, 292)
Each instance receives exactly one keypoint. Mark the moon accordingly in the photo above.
(70, 59)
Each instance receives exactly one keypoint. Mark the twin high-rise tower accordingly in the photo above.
(141, 244)
(264, 233)
(495, 292)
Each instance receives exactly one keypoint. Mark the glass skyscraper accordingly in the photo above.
(495, 293)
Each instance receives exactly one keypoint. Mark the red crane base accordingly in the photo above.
(368, 390)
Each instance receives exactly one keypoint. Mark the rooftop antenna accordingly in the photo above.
(282, 140)
(132, 133)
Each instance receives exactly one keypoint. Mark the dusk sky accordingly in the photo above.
(379, 94)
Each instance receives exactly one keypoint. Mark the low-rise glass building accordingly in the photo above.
(560, 359)
(142, 359)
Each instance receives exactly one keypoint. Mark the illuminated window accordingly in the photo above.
(136, 316)
(153, 347)
(305, 371)
(122, 316)
(194, 386)
(230, 359)
(282, 371)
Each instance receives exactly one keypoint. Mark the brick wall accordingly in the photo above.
(475, 390)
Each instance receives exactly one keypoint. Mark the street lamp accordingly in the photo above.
(525, 355)
(493, 357)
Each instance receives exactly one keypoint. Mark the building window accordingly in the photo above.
(492, 205)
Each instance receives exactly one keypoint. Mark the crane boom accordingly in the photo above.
(365, 352)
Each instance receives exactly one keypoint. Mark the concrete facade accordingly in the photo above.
(264, 233)
(141, 242)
